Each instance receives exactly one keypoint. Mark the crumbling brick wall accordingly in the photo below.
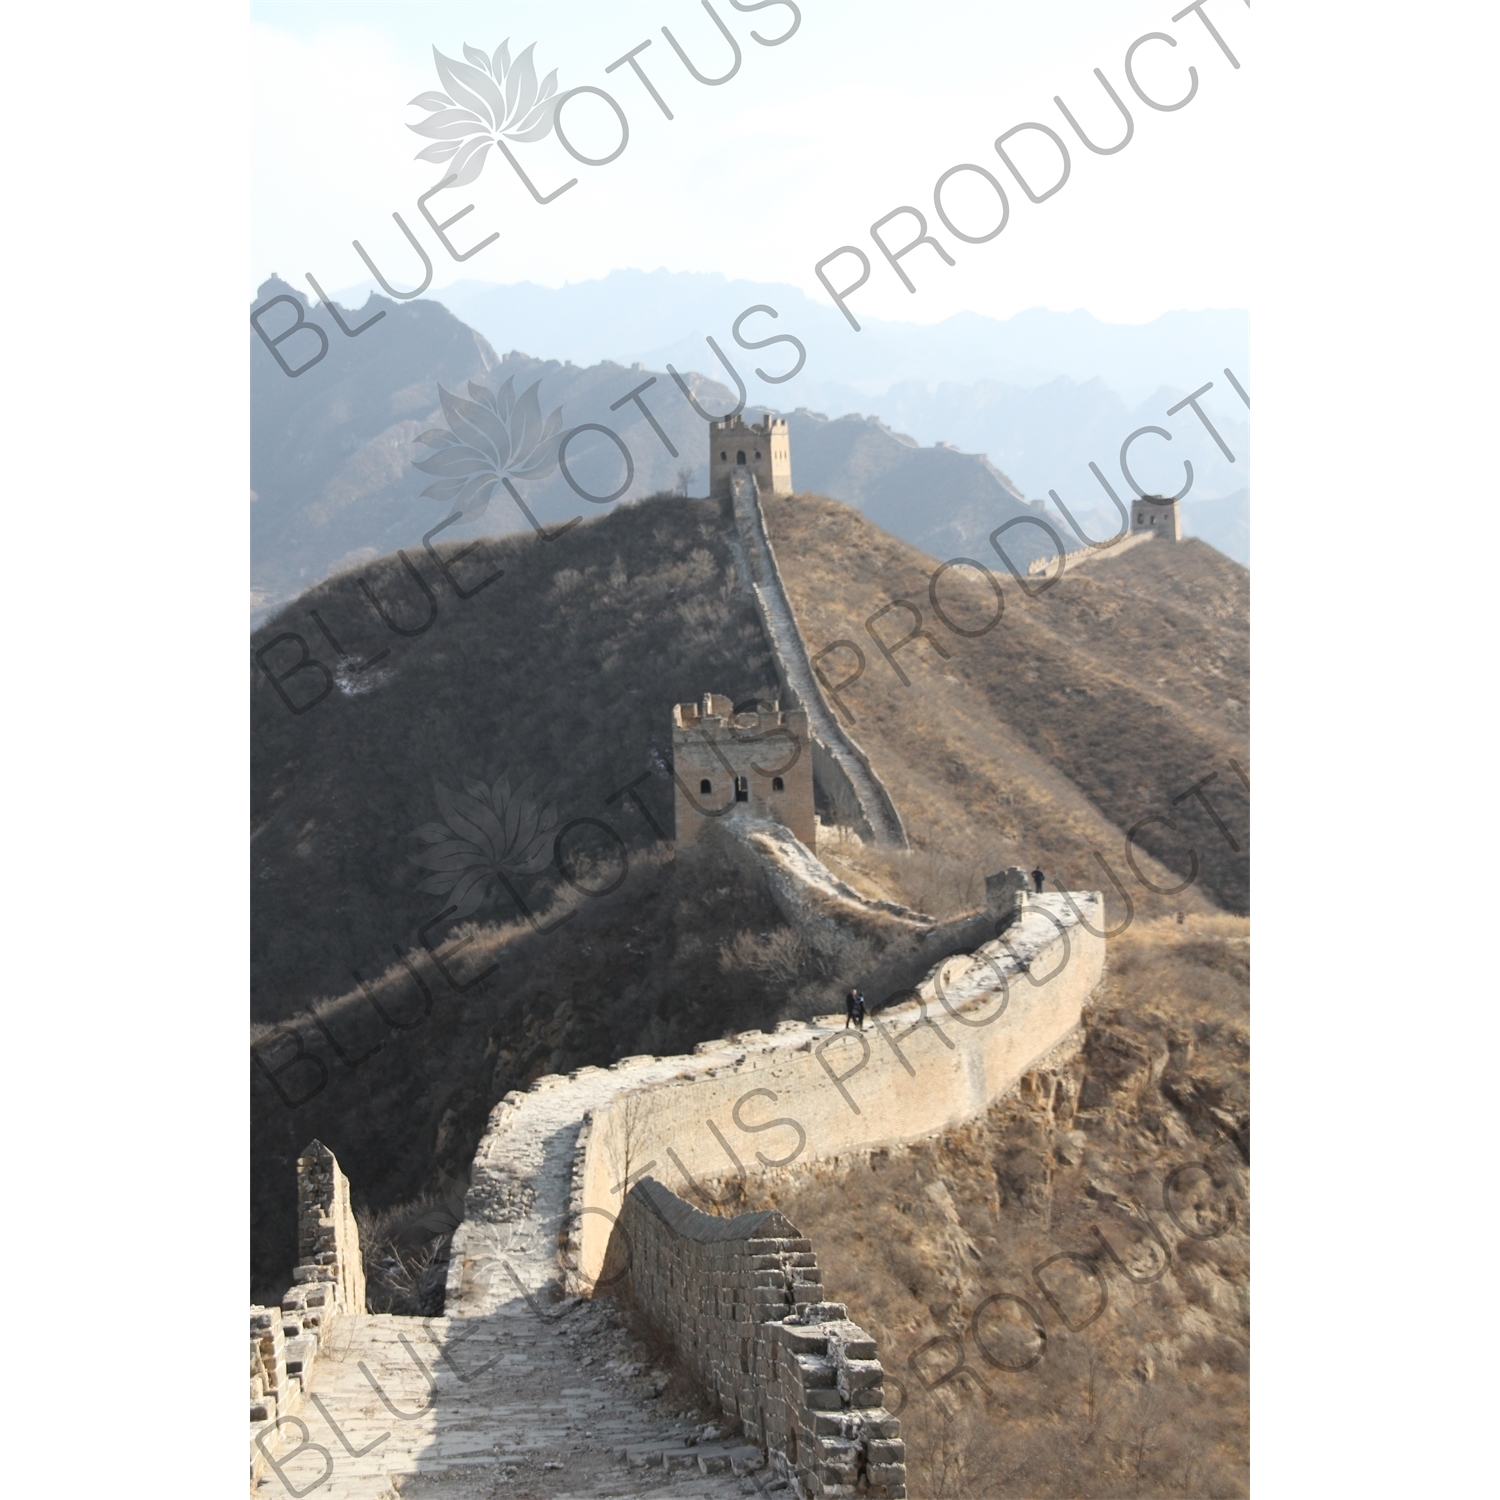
(741, 1301)
(330, 1280)
(327, 1236)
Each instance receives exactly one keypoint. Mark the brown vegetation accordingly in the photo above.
(405, 1253)
(1086, 708)
(563, 673)
(639, 970)
(1149, 1398)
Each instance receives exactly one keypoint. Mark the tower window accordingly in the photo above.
(757, 452)
(723, 458)
(741, 789)
(777, 784)
(741, 458)
(705, 786)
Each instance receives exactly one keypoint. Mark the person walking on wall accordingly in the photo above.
(854, 1010)
(1036, 879)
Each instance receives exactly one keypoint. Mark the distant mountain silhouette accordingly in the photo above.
(656, 316)
(333, 450)
(1222, 523)
(330, 451)
(1042, 393)
(938, 499)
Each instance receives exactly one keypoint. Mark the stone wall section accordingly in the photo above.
(329, 1281)
(327, 1236)
(742, 1301)
(839, 764)
(972, 1028)
(1086, 556)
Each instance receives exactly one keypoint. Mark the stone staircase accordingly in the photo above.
(532, 1399)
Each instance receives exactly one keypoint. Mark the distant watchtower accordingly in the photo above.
(763, 450)
(1157, 516)
(721, 759)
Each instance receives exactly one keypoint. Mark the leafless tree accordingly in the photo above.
(627, 1133)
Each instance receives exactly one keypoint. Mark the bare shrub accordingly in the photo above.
(780, 956)
(1152, 1399)
(846, 814)
(628, 1120)
(405, 1254)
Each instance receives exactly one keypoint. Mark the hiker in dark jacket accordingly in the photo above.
(1036, 879)
(854, 1010)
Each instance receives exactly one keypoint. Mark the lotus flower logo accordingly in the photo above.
(493, 435)
(487, 98)
(488, 831)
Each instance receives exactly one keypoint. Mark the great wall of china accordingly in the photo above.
(570, 1206)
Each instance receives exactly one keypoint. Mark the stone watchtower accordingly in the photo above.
(722, 759)
(1154, 515)
(763, 450)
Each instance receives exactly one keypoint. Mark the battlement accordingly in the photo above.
(762, 448)
(718, 712)
(760, 759)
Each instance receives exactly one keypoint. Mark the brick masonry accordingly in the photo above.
(330, 1280)
(741, 1301)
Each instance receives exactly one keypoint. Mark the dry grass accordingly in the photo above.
(1152, 1397)
(994, 759)
(638, 971)
(1082, 711)
(924, 877)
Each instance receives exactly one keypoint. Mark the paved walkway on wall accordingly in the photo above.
(514, 1380)
(530, 1400)
(520, 1186)
(781, 624)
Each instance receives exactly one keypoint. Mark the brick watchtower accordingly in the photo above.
(763, 450)
(1154, 515)
(721, 759)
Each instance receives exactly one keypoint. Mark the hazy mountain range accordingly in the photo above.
(1041, 393)
(656, 316)
(332, 451)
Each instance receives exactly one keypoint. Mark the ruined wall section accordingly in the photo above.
(840, 766)
(903, 945)
(742, 1302)
(329, 1280)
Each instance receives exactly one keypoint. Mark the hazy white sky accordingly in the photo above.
(809, 144)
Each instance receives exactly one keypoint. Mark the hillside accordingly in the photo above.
(1086, 708)
(936, 498)
(560, 676)
(333, 481)
(329, 450)
(549, 692)
(1149, 1397)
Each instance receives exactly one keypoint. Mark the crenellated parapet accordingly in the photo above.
(742, 1301)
